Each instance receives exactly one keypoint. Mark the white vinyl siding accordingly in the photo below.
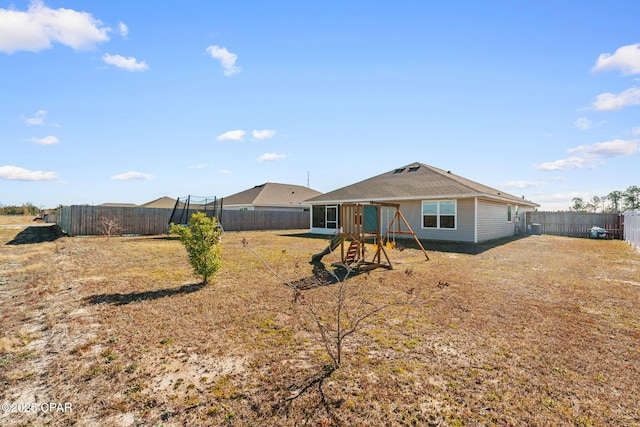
(493, 221)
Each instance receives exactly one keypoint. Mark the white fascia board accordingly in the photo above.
(430, 197)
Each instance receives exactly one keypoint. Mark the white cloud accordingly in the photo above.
(263, 134)
(522, 184)
(129, 64)
(557, 201)
(232, 135)
(15, 173)
(37, 119)
(130, 176)
(615, 148)
(38, 27)
(635, 131)
(224, 171)
(47, 140)
(123, 29)
(270, 157)
(583, 123)
(200, 166)
(591, 155)
(610, 101)
(626, 59)
(226, 58)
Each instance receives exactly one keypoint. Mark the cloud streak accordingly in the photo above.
(39, 27)
(226, 59)
(132, 176)
(47, 140)
(37, 119)
(16, 173)
(263, 134)
(592, 155)
(271, 157)
(129, 64)
(232, 135)
(611, 101)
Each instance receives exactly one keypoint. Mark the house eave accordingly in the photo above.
(500, 198)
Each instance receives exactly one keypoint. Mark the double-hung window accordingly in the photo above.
(439, 214)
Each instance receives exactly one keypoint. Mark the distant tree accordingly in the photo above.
(631, 197)
(594, 204)
(201, 239)
(615, 197)
(578, 205)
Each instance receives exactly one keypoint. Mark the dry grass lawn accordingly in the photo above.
(537, 331)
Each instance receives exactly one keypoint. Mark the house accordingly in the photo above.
(437, 204)
(271, 196)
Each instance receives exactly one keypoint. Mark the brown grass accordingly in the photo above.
(536, 331)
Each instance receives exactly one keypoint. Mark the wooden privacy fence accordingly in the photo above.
(236, 220)
(632, 228)
(88, 220)
(576, 224)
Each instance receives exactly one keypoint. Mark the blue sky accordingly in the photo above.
(128, 101)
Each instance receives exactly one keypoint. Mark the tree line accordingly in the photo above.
(614, 202)
(25, 209)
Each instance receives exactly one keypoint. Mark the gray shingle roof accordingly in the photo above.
(415, 181)
(272, 194)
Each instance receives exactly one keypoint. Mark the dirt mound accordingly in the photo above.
(38, 234)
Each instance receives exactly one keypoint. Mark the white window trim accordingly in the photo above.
(326, 217)
(509, 220)
(455, 215)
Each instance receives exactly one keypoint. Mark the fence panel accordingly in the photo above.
(576, 224)
(632, 228)
(87, 220)
(237, 220)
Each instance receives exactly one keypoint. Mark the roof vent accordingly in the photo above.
(413, 168)
(400, 170)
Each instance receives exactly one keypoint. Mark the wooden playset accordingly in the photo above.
(362, 223)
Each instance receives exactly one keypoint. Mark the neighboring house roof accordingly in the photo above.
(162, 202)
(119, 205)
(271, 194)
(415, 181)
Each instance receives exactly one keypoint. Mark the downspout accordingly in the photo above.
(475, 220)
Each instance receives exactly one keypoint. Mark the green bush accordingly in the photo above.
(201, 238)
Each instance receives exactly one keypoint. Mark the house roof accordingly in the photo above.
(162, 202)
(271, 194)
(415, 181)
(119, 205)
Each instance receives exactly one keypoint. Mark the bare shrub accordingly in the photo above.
(109, 226)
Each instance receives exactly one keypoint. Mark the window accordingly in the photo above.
(508, 213)
(318, 216)
(332, 217)
(439, 214)
(324, 217)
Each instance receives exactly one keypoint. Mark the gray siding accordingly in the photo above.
(412, 211)
(492, 220)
